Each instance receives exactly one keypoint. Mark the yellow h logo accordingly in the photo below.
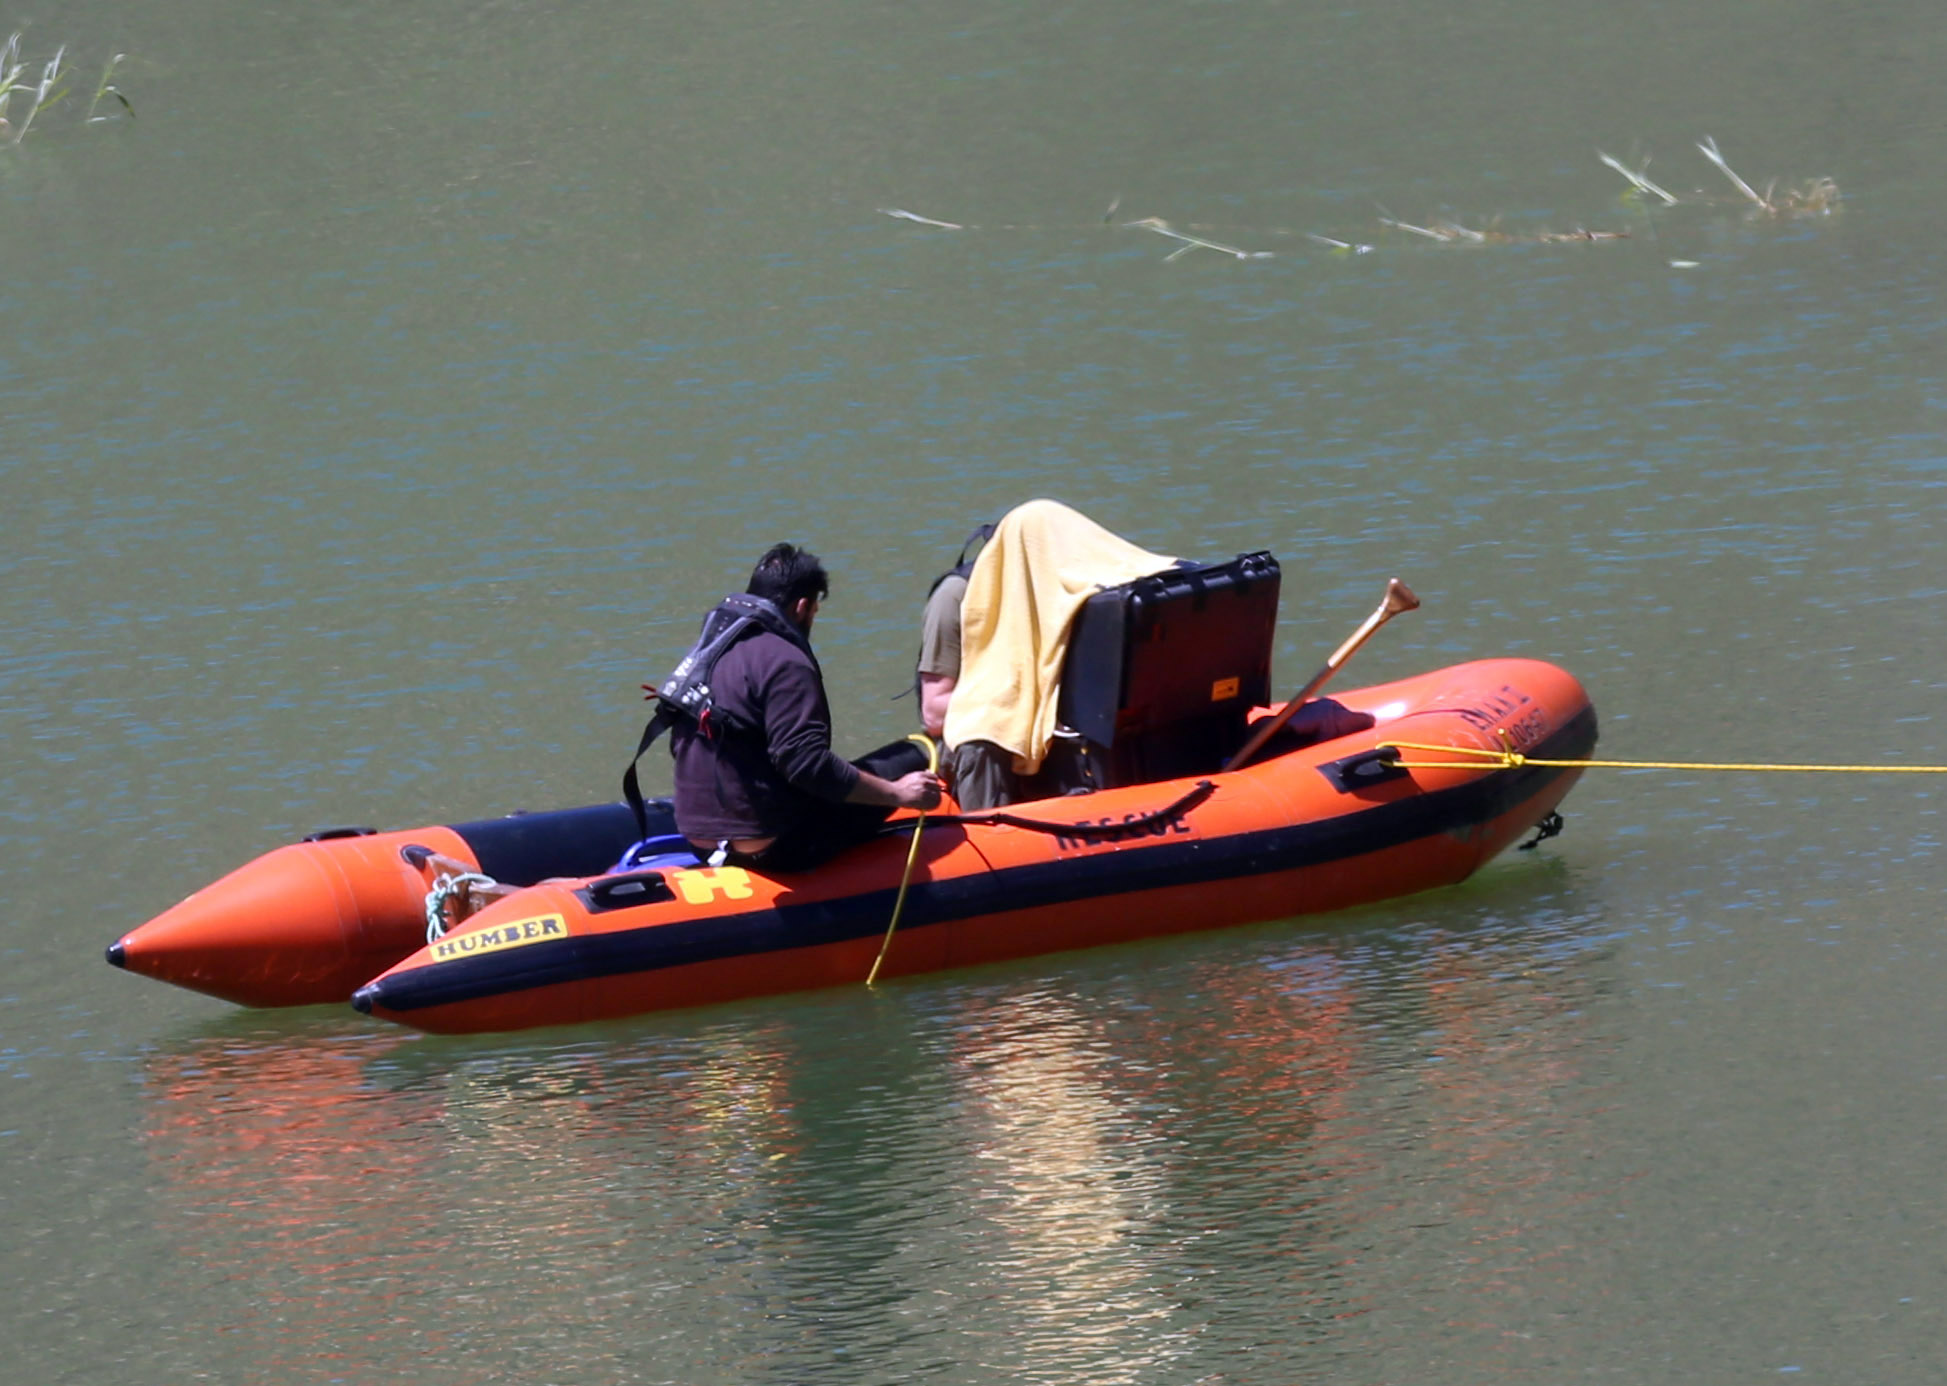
(700, 887)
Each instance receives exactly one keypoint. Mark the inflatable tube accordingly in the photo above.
(306, 923)
(1313, 829)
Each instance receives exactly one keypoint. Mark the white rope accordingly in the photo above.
(445, 888)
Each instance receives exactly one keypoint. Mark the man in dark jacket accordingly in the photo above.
(759, 784)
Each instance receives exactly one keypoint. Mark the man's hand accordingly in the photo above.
(919, 790)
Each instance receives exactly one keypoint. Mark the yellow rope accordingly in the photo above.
(912, 855)
(1505, 758)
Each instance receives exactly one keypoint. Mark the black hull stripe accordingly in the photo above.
(1082, 877)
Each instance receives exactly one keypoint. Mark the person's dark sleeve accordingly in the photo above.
(798, 733)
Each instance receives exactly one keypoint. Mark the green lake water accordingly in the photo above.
(389, 397)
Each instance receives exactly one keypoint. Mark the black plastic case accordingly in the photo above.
(1161, 671)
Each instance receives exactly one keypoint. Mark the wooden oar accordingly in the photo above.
(1399, 597)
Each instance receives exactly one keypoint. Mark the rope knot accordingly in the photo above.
(446, 887)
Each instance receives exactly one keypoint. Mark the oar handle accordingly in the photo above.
(1399, 597)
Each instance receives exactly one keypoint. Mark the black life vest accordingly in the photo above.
(686, 694)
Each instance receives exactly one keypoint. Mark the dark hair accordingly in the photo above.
(786, 575)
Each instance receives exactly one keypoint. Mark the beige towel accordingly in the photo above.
(1043, 562)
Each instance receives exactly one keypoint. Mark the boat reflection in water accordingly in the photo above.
(1092, 1175)
(303, 1207)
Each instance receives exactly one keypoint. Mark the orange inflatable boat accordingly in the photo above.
(1170, 825)
(1306, 829)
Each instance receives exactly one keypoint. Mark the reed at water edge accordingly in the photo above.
(53, 86)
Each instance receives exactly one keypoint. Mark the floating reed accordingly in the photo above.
(1638, 178)
(1344, 247)
(904, 215)
(1453, 233)
(1446, 232)
(1580, 233)
(47, 92)
(12, 69)
(1819, 197)
(107, 87)
(1708, 147)
(1190, 242)
(50, 89)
